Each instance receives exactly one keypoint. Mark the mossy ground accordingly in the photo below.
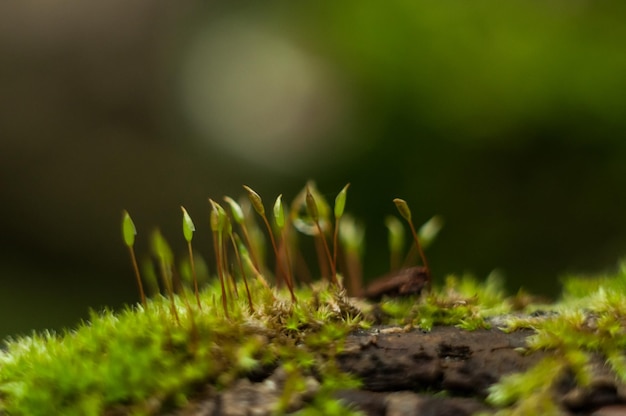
(588, 323)
(146, 360)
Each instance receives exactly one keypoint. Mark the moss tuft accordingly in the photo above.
(588, 321)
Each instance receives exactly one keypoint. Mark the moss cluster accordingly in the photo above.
(589, 321)
(144, 359)
(463, 302)
(162, 353)
(156, 355)
(141, 361)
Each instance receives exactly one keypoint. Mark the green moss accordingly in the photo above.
(465, 303)
(589, 319)
(161, 353)
(144, 359)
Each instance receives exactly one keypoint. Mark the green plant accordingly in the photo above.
(149, 358)
(129, 232)
(188, 230)
(146, 359)
(257, 204)
(589, 320)
(405, 211)
(313, 211)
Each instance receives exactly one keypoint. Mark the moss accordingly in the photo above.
(463, 302)
(589, 320)
(144, 359)
(161, 353)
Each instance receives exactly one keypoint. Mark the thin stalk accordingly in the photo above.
(220, 271)
(420, 251)
(163, 252)
(281, 224)
(279, 264)
(217, 226)
(246, 236)
(231, 277)
(246, 258)
(257, 204)
(227, 232)
(314, 213)
(193, 273)
(321, 256)
(335, 248)
(404, 210)
(168, 282)
(285, 246)
(194, 329)
(243, 272)
(142, 294)
(128, 233)
(340, 203)
(333, 270)
(188, 229)
(239, 217)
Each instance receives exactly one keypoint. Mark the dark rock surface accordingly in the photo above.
(460, 362)
(446, 371)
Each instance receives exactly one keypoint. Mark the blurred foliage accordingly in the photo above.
(505, 118)
(484, 70)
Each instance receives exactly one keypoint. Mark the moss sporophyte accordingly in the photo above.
(200, 337)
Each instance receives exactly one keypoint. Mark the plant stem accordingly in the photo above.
(279, 264)
(333, 271)
(243, 272)
(166, 274)
(193, 273)
(138, 276)
(220, 270)
(421, 252)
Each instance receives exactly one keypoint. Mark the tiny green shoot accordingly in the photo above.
(228, 234)
(279, 219)
(257, 204)
(233, 238)
(217, 226)
(129, 232)
(315, 216)
(238, 216)
(188, 230)
(405, 211)
(340, 205)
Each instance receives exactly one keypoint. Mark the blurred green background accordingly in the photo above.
(507, 118)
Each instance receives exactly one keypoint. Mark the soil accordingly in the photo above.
(446, 371)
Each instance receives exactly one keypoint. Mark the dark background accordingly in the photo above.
(507, 119)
